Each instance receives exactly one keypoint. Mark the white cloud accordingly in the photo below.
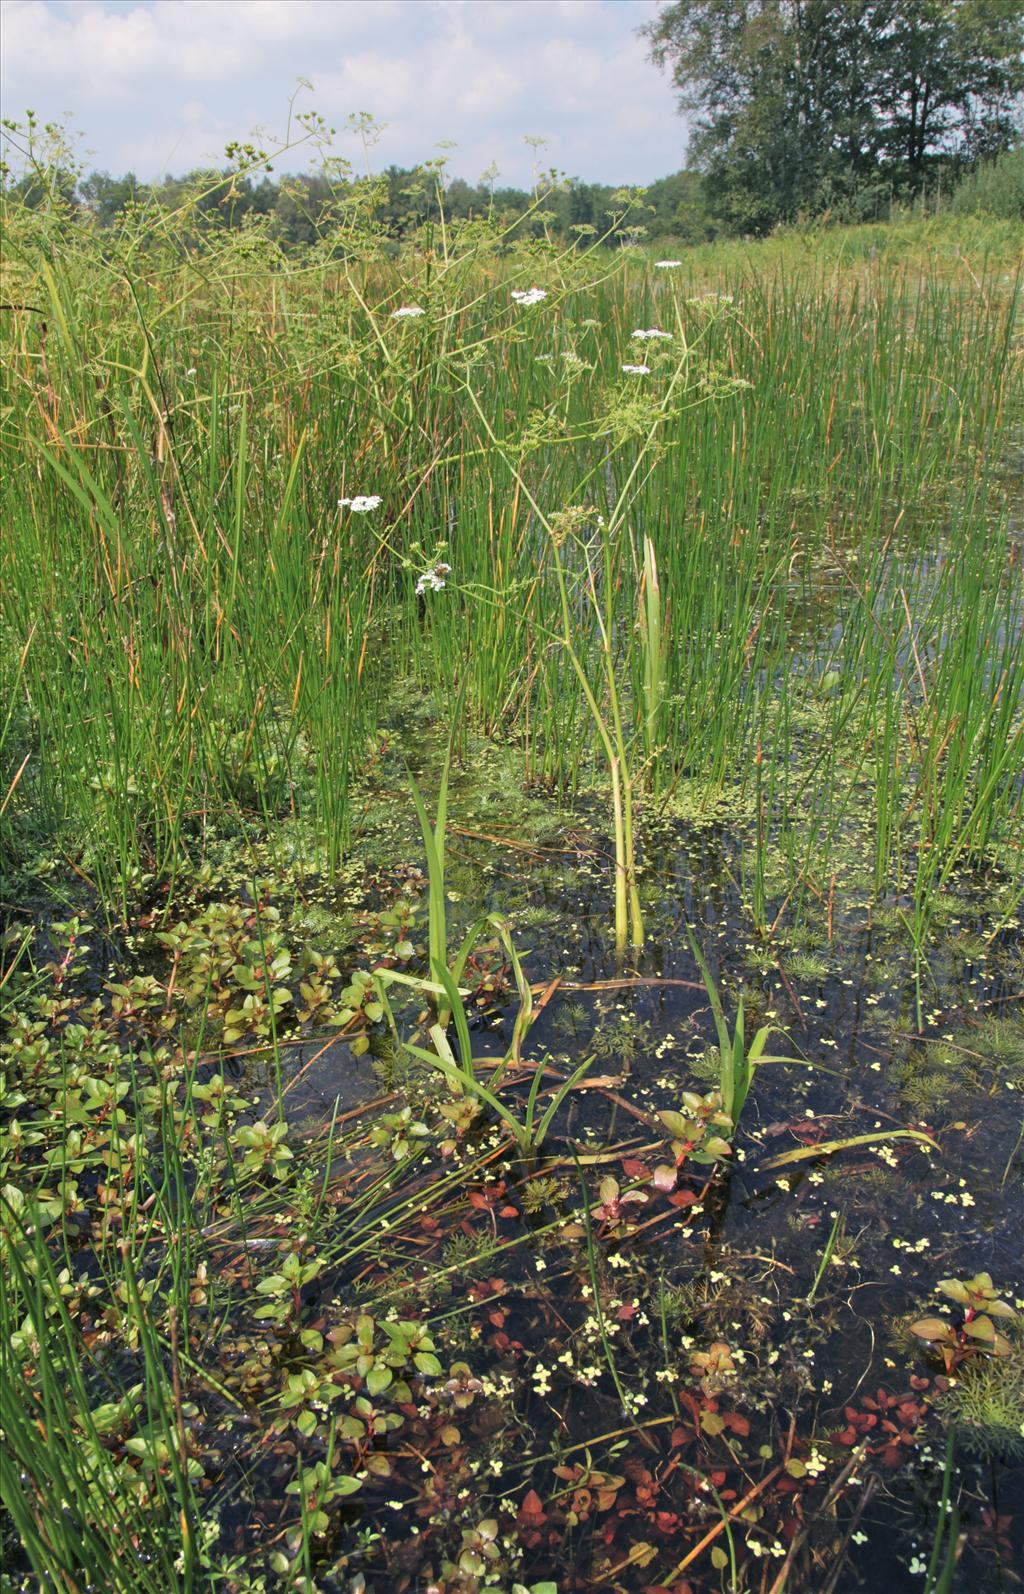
(158, 84)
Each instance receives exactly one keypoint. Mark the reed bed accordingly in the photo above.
(816, 459)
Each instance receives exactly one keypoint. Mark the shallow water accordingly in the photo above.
(740, 1270)
(811, 1358)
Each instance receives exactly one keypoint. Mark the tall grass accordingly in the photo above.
(806, 577)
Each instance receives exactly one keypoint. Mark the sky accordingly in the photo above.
(157, 86)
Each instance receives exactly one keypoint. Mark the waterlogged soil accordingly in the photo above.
(753, 1352)
(698, 1380)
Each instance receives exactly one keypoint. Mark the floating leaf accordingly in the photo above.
(826, 1148)
(932, 1328)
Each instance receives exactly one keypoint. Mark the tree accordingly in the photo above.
(950, 80)
(106, 197)
(800, 105)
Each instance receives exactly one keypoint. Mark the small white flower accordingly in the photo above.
(529, 295)
(406, 312)
(432, 580)
(191, 371)
(652, 332)
(637, 370)
(360, 506)
(666, 265)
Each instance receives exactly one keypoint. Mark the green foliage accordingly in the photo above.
(976, 1333)
(993, 188)
(796, 612)
(985, 1405)
(737, 1061)
(838, 105)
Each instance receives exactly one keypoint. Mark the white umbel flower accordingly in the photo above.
(666, 265)
(360, 506)
(637, 370)
(432, 580)
(407, 312)
(529, 295)
(651, 334)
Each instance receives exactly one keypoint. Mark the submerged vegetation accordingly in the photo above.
(512, 792)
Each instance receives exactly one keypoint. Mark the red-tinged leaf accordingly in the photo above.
(932, 1328)
(737, 1424)
(531, 1513)
(626, 1312)
(508, 1212)
(679, 1437)
(692, 1405)
(664, 1176)
(683, 1198)
(633, 1168)
(919, 1383)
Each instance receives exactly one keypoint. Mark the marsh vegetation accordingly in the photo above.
(512, 781)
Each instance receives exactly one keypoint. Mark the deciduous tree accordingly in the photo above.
(803, 104)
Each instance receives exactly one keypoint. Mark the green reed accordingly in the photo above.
(204, 638)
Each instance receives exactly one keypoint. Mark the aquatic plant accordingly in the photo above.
(737, 1061)
(976, 1333)
(984, 1405)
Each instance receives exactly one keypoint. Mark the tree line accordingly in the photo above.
(298, 210)
(796, 109)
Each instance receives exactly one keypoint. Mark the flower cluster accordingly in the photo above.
(432, 580)
(666, 265)
(406, 312)
(360, 506)
(637, 370)
(652, 332)
(529, 295)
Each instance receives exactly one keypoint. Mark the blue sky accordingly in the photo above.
(158, 86)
